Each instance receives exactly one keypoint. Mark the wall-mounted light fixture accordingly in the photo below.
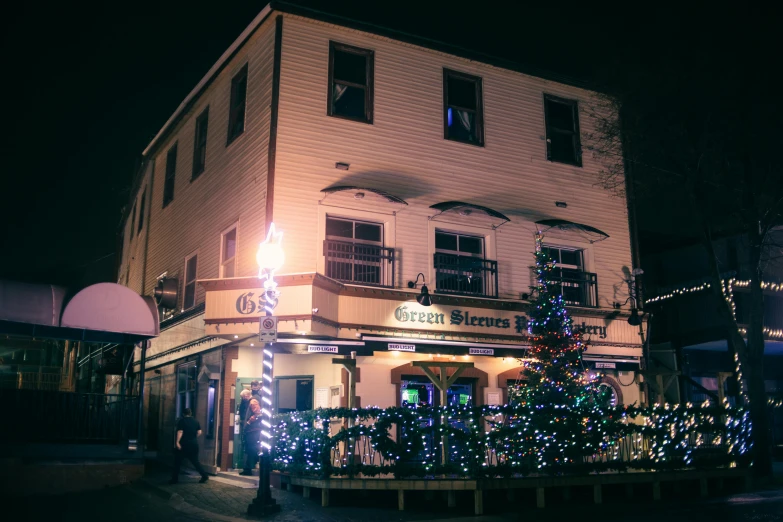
(561, 204)
(423, 298)
(342, 166)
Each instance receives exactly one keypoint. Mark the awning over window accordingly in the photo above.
(467, 209)
(105, 312)
(360, 192)
(592, 234)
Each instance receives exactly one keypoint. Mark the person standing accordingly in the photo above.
(255, 390)
(188, 431)
(242, 409)
(252, 437)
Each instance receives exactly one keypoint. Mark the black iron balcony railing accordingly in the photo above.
(578, 288)
(465, 275)
(359, 263)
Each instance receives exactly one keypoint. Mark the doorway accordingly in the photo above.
(243, 383)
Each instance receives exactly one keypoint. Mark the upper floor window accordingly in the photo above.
(200, 144)
(355, 253)
(191, 267)
(578, 287)
(460, 266)
(133, 220)
(350, 82)
(562, 130)
(171, 172)
(141, 208)
(463, 111)
(228, 253)
(236, 114)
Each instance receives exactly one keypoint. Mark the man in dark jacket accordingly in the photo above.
(255, 390)
(252, 437)
(188, 429)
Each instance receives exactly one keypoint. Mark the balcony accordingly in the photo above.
(578, 288)
(466, 275)
(359, 263)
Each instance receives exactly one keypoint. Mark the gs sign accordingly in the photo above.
(248, 303)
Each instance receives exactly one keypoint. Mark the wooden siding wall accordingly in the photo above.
(231, 189)
(404, 152)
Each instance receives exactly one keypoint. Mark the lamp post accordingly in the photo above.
(270, 258)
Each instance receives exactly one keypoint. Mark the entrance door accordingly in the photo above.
(243, 383)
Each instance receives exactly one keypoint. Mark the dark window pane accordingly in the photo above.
(236, 116)
(471, 245)
(348, 101)
(551, 253)
(562, 148)
(339, 228)
(368, 232)
(560, 115)
(171, 172)
(350, 67)
(230, 244)
(462, 93)
(141, 209)
(190, 295)
(445, 241)
(571, 257)
(200, 144)
(191, 270)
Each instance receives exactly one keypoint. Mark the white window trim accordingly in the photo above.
(235, 225)
(587, 251)
(490, 244)
(387, 220)
(185, 280)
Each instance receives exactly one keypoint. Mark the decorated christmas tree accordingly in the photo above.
(560, 415)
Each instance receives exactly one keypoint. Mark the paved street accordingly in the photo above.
(226, 500)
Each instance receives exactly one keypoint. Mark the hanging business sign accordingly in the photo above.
(318, 348)
(605, 365)
(402, 347)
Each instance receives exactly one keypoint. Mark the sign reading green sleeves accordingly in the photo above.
(458, 317)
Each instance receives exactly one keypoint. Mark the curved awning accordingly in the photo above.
(592, 234)
(31, 303)
(391, 198)
(109, 307)
(466, 209)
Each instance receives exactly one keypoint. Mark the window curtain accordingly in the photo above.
(339, 90)
(465, 119)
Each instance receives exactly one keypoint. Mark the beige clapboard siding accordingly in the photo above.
(404, 152)
(133, 248)
(233, 186)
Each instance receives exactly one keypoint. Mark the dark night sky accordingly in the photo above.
(86, 86)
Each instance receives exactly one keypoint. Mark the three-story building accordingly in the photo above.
(388, 163)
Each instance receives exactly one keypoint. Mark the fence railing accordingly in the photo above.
(56, 417)
(466, 275)
(578, 288)
(359, 263)
(27, 378)
(504, 441)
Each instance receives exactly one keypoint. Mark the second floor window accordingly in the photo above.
(350, 82)
(462, 107)
(171, 173)
(355, 253)
(562, 130)
(236, 114)
(228, 253)
(200, 144)
(577, 286)
(460, 266)
(141, 208)
(133, 220)
(191, 268)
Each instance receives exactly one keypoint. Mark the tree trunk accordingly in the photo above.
(751, 354)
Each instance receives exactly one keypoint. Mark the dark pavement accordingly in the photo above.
(225, 498)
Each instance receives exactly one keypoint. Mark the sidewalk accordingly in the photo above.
(226, 497)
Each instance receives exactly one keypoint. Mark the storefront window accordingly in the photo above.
(186, 387)
(294, 394)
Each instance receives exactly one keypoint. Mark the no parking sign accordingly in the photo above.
(267, 332)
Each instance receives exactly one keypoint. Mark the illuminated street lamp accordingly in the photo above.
(270, 258)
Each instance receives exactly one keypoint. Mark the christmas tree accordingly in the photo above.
(562, 404)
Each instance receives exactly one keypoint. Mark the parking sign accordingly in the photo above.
(267, 332)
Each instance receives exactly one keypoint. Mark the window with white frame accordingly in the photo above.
(228, 253)
(354, 252)
(578, 287)
(460, 265)
(191, 268)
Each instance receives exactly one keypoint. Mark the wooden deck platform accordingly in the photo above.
(540, 484)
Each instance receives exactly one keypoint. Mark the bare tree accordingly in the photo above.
(699, 129)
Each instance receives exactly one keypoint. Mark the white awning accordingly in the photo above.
(109, 307)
